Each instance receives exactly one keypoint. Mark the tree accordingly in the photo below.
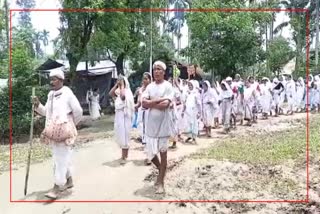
(45, 38)
(25, 17)
(119, 36)
(279, 54)
(298, 24)
(76, 30)
(37, 42)
(317, 35)
(226, 42)
(177, 21)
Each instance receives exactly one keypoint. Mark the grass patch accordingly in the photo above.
(40, 152)
(272, 149)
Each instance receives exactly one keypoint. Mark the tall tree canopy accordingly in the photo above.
(226, 42)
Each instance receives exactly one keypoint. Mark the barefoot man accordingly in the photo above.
(157, 98)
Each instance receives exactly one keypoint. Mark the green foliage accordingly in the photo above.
(227, 42)
(21, 108)
(76, 29)
(25, 16)
(23, 78)
(279, 54)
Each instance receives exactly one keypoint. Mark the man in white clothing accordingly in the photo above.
(63, 112)
(157, 98)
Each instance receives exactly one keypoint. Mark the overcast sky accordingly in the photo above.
(50, 22)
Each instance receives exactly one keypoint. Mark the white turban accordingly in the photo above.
(161, 64)
(57, 73)
(229, 79)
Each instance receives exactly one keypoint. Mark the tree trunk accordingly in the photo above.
(73, 62)
(317, 36)
(7, 23)
(298, 55)
(119, 64)
(271, 28)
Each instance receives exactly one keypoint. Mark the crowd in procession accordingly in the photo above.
(170, 109)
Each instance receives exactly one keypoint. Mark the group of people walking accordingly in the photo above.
(169, 110)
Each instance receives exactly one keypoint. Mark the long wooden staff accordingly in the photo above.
(30, 147)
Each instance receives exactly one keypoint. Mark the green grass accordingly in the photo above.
(40, 152)
(272, 149)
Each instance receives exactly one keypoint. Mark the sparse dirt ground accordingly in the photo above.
(263, 162)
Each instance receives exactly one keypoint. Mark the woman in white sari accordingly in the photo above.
(248, 102)
(93, 99)
(300, 94)
(277, 91)
(317, 93)
(226, 105)
(142, 112)
(192, 111)
(290, 94)
(209, 107)
(266, 97)
(124, 109)
(308, 99)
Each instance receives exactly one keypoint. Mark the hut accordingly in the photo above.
(88, 76)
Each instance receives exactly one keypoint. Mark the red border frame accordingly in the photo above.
(161, 10)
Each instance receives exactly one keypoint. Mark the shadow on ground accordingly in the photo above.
(40, 196)
(148, 191)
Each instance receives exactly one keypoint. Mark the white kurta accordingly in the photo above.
(248, 102)
(62, 105)
(158, 130)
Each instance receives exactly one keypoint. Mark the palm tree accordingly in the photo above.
(37, 37)
(45, 39)
(297, 21)
(177, 21)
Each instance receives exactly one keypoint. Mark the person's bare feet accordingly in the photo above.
(69, 183)
(160, 189)
(123, 161)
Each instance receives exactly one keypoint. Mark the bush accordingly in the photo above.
(21, 110)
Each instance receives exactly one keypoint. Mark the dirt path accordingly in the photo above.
(98, 176)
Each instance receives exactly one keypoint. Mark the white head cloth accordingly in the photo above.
(229, 79)
(161, 64)
(57, 73)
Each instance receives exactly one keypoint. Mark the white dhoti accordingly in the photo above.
(122, 127)
(156, 145)
(62, 158)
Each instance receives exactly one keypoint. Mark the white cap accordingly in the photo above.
(229, 79)
(57, 73)
(161, 64)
